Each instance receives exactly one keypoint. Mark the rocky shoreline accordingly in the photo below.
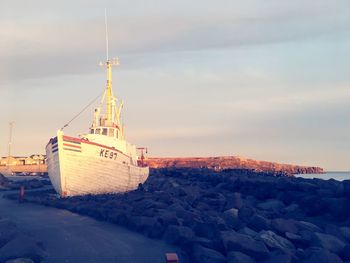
(229, 216)
(230, 162)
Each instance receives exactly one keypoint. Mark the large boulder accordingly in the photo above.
(157, 230)
(202, 254)
(168, 218)
(275, 241)
(243, 243)
(281, 225)
(231, 218)
(235, 200)
(280, 256)
(3, 180)
(334, 230)
(346, 188)
(271, 205)
(291, 209)
(142, 224)
(179, 235)
(346, 253)
(258, 222)
(213, 199)
(345, 231)
(313, 205)
(297, 240)
(206, 229)
(329, 242)
(20, 260)
(205, 242)
(247, 231)
(246, 213)
(321, 255)
(22, 247)
(338, 207)
(303, 225)
(239, 257)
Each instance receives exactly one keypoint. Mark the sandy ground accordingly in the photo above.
(69, 237)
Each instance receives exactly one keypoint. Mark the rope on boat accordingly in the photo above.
(77, 115)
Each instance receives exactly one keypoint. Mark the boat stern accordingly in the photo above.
(53, 152)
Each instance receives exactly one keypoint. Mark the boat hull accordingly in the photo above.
(79, 167)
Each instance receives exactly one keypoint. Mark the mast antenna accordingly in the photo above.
(106, 34)
(10, 138)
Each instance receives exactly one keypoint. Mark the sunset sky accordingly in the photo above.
(267, 80)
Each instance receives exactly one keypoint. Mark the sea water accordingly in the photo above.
(339, 176)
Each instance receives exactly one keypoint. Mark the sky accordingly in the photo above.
(263, 79)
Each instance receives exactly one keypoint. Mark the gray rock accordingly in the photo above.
(231, 218)
(246, 213)
(320, 255)
(346, 188)
(237, 202)
(292, 208)
(346, 253)
(345, 231)
(206, 229)
(22, 247)
(258, 222)
(142, 224)
(247, 231)
(297, 239)
(238, 257)
(157, 230)
(238, 242)
(271, 205)
(303, 225)
(329, 242)
(207, 255)
(168, 218)
(20, 260)
(279, 257)
(204, 242)
(178, 235)
(232, 213)
(333, 230)
(275, 241)
(3, 180)
(282, 226)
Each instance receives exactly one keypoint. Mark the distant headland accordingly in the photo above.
(230, 162)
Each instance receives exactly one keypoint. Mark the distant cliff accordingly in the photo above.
(230, 162)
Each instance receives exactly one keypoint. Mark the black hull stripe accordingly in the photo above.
(73, 150)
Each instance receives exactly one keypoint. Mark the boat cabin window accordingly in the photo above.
(111, 132)
(92, 131)
(98, 131)
(104, 131)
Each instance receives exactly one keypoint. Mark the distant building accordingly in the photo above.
(34, 159)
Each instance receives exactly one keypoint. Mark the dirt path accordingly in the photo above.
(69, 237)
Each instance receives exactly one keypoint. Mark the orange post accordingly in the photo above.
(171, 258)
(21, 193)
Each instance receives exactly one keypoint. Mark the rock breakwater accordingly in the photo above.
(229, 216)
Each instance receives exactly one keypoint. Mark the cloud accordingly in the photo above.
(43, 47)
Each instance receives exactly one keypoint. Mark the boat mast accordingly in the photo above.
(110, 100)
(109, 77)
(10, 138)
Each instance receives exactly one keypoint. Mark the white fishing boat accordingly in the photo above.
(98, 162)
